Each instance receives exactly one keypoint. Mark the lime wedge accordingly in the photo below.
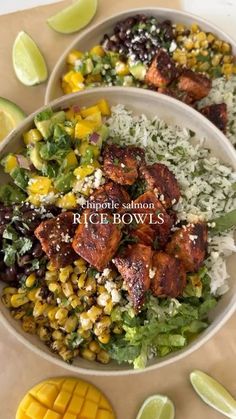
(213, 393)
(28, 61)
(157, 407)
(74, 17)
(10, 116)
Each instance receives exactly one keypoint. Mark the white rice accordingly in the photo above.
(206, 184)
(224, 90)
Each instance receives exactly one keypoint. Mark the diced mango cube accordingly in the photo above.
(52, 415)
(81, 388)
(36, 410)
(89, 410)
(32, 136)
(89, 111)
(66, 87)
(73, 56)
(71, 160)
(26, 402)
(83, 129)
(34, 200)
(96, 119)
(93, 394)
(104, 107)
(77, 79)
(67, 201)
(68, 75)
(47, 394)
(76, 404)
(40, 185)
(82, 171)
(104, 414)
(21, 415)
(69, 384)
(97, 50)
(104, 403)
(62, 401)
(68, 415)
(10, 163)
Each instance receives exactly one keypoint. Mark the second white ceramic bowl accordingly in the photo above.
(93, 35)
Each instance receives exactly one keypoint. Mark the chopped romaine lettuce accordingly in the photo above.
(11, 194)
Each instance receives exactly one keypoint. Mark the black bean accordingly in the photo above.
(40, 272)
(37, 251)
(24, 260)
(10, 274)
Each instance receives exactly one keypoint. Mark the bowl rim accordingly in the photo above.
(211, 330)
(179, 13)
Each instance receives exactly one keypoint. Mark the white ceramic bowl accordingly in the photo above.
(93, 35)
(175, 113)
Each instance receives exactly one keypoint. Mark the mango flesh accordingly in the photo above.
(64, 398)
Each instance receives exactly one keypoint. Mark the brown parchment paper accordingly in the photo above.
(20, 369)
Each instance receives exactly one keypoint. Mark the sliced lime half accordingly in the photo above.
(75, 17)
(10, 116)
(157, 407)
(213, 393)
(28, 61)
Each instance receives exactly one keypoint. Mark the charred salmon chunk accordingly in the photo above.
(110, 196)
(144, 234)
(177, 94)
(168, 277)
(162, 70)
(55, 236)
(162, 181)
(217, 114)
(147, 209)
(134, 264)
(121, 164)
(189, 245)
(197, 85)
(96, 239)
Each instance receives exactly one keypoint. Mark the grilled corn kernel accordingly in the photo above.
(74, 278)
(71, 324)
(84, 333)
(80, 263)
(32, 294)
(39, 308)
(30, 280)
(6, 300)
(66, 354)
(61, 314)
(227, 69)
(94, 313)
(108, 308)
(9, 290)
(74, 301)
(29, 325)
(57, 335)
(201, 36)
(54, 287)
(67, 289)
(87, 354)
(225, 47)
(51, 275)
(51, 267)
(18, 300)
(103, 357)
(104, 338)
(216, 59)
(188, 43)
(18, 314)
(65, 273)
(52, 313)
(122, 69)
(117, 330)
(210, 38)
(43, 334)
(85, 321)
(81, 280)
(194, 28)
(90, 285)
(94, 347)
(57, 345)
(180, 27)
